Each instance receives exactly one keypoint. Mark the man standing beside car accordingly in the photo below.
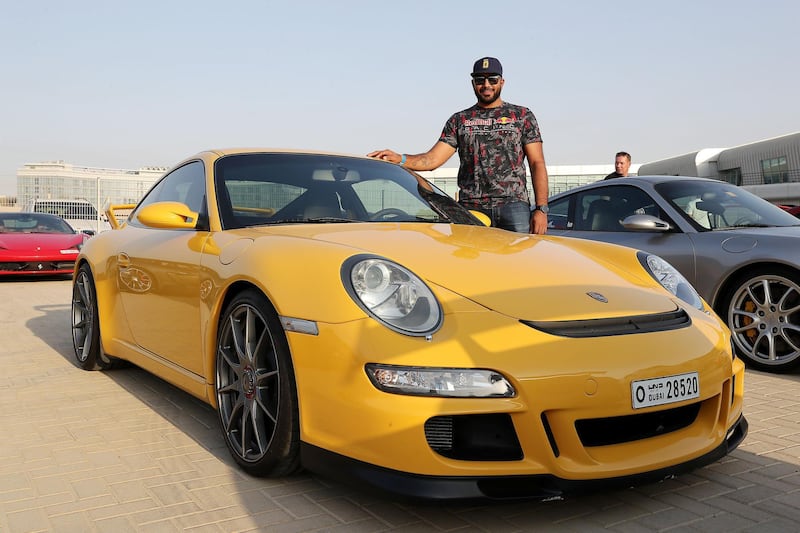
(622, 163)
(493, 138)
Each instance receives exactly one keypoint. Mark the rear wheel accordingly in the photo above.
(763, 312)
(86, 324)
(255, 388)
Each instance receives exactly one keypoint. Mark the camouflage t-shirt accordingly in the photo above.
(490, 144)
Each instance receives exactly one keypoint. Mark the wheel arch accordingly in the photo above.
(230, 292)
(105, 315)
(725, 288)
(762, 328)
(281, 454)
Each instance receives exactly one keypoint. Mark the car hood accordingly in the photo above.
(524, 276)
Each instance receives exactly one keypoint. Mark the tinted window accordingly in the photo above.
(33, 223)
(258, 189)
(601, 209)
(558, 217)
(186, 185)
(716, 205)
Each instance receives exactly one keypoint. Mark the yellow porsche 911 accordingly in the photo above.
(344, 315)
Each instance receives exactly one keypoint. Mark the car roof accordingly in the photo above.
(657, 179)
(230, 151)
(641, 180)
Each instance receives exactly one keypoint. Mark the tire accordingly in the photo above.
(86, 324)
(255, 388)
(762, 309)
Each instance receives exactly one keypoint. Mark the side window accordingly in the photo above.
(591, 208)
(186, 184)
(604, 210)
(558, 217)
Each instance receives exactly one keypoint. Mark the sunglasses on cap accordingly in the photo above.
(480, 80)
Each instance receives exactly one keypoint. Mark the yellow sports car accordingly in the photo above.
(344, 315)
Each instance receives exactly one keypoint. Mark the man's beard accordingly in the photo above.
(490, 100)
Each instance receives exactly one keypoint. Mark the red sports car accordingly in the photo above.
(37, 243)
(791, 209)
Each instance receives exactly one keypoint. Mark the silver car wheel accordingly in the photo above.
(255, 388)
(764, 317)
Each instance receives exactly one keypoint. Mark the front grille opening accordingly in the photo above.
(551, 438)
(619, 429)
(605, 327)
(36, 266)
(488, 437)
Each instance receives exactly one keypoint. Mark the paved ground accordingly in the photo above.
(123, 451)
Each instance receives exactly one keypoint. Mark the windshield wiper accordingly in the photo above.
(749, 225)
(301, 220)
(323, 220)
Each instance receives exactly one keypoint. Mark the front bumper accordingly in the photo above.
(541, 486)
(36, 266)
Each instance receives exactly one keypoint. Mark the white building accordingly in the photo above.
(57, 180)
(768, 168)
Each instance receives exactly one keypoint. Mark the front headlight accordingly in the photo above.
(440, 382)
(392, 294)
(669, 278)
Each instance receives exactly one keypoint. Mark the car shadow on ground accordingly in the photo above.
(753, 487)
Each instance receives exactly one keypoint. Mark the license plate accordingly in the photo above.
(660, 391)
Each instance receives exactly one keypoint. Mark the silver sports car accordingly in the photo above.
(740, 252)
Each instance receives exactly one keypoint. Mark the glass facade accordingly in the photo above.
(775, 170)
(733, 175)
(58, 180)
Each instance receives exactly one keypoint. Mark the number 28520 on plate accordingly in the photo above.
(660, 391)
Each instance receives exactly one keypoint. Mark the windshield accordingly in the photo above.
(713, 205)
(259, 189)
(33, 223)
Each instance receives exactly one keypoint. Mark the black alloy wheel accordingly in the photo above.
(255, 388)
(86, 324)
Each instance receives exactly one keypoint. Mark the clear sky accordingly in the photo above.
(126, 84)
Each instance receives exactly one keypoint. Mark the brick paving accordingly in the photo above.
(123, 451)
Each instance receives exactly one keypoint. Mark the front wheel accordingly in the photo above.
(763, 313)
(255, 388)
(86, 324)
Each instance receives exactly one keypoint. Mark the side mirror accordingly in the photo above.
(645, 223)
(88, 232)
(168, 215)
(480, 215)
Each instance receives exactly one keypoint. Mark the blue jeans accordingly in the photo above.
(512, 216)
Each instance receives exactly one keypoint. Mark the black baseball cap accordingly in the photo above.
(487, 65)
